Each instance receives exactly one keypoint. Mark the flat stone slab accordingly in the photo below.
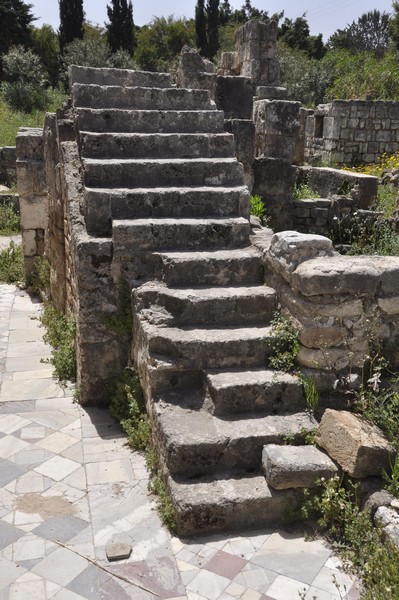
(358, 446)
(295, 466)
(118, 551)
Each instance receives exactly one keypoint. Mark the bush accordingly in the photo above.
(93, 51)
(12, 264)
(9, 219)
(24, 87)
(60, 334)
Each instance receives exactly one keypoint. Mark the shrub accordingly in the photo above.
(10, 222)
(303, 191)
(12, 264)
(60, 334)
(25, 80)
(285, 344)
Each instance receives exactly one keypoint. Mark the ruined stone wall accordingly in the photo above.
(32, 191)
(8, 159)
(352, 131)
(341, 303)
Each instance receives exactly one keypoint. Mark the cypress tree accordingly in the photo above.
(120, 29)
(212, 12)
(71, 21)
(200, 27)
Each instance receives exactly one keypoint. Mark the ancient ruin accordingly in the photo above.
(148, 233)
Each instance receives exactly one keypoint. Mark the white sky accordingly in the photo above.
(325, 16)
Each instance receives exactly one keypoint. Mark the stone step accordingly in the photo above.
(163, 172)
(149, 121)
(273, 392)
(230, 501)
(288, 467)
(194, 443)
(156, 145)
(120, 77)
(140, 98)
(105, 204)
(218, 267)
(173, 348)
(201, 306)
(176, 234)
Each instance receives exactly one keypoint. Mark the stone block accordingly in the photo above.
(388, 518)
(34, 212)
(229, 64)
(390, 306)
(295, 466)
(270, 92)
(244, 139)
(29, 244)
(234, 95)
(273, 180)
(358, 446)
(330, 359)
(118, 551)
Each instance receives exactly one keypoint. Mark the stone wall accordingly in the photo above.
(8, 159)
(352, 131)
(32, 191)
(340, 303)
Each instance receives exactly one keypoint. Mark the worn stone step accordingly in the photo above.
(156, 145)
(140, 98)
(201, 306)
(175, 234)
(195, 443)
(121, 77)
(149, 121)
(170, 348)
(162, 172)
(274, 392)
(288, 467)
(104, 204)
(241, 266)
(229, 501)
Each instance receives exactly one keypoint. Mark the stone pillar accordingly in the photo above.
(276, 128)
(32, 189)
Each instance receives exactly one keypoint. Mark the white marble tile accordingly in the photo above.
(57, 468)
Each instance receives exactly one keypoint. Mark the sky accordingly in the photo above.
(324, 16)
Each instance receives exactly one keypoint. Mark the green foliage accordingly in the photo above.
(362, 75)
(285, 344)
(212, 30)
(127, 406)
(392, 478)
(159, 43)
(334, 504)
(120, 29)
(71, 21)
(386, 199)
(12, 264)
(311, 393)
(200, 27)
(10, 222)
(369, 33)
(93, 51)
(25, 79)
(60, 334)
(158, 487)
(38, 280)
(15, 19)
(258, 209)
(303, 191)
(371, 236)
(296, 34)
(46, 45)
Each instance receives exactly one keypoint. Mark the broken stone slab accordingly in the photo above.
(118, 551)
(358, 446)
(388, 518)
(295, 466)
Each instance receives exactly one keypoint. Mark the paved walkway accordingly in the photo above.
(69, 486)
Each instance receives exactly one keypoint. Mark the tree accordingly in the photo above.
(46, 45)
(296, 35)
(15, 19)
(200, 27)
(225, 12)
(120, 29)
(25, 80)
(94, 51)
(393, 28)
(71, 21)
(212, 29)
(369, 33)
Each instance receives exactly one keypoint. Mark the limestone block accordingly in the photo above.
(229, 64)
(30, 143)
(319, 336)
(29, 244)
(234, 95)
(271, 92)
(388, 518)
(330, 359)
(389, 305)
(288, 249)
(33, 212)
(273, 180)
(295, 466)
(244, 139)
(358, 446)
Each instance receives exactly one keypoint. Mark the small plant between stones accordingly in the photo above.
(128, 407)
(60, 334)
(285, 344)
(12, 265)
(258, 210)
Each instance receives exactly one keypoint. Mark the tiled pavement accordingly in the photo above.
(69, 486)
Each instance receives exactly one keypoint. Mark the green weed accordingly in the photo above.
(311, 393)
(285, 344)
(121, 321)
(38, 280)
(60, 334)
(392, 479)
(10, 221)
(258, 210)
(12, 264)
(303, 191)
(386, 199)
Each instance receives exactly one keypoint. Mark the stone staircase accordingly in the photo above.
(161, 179)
